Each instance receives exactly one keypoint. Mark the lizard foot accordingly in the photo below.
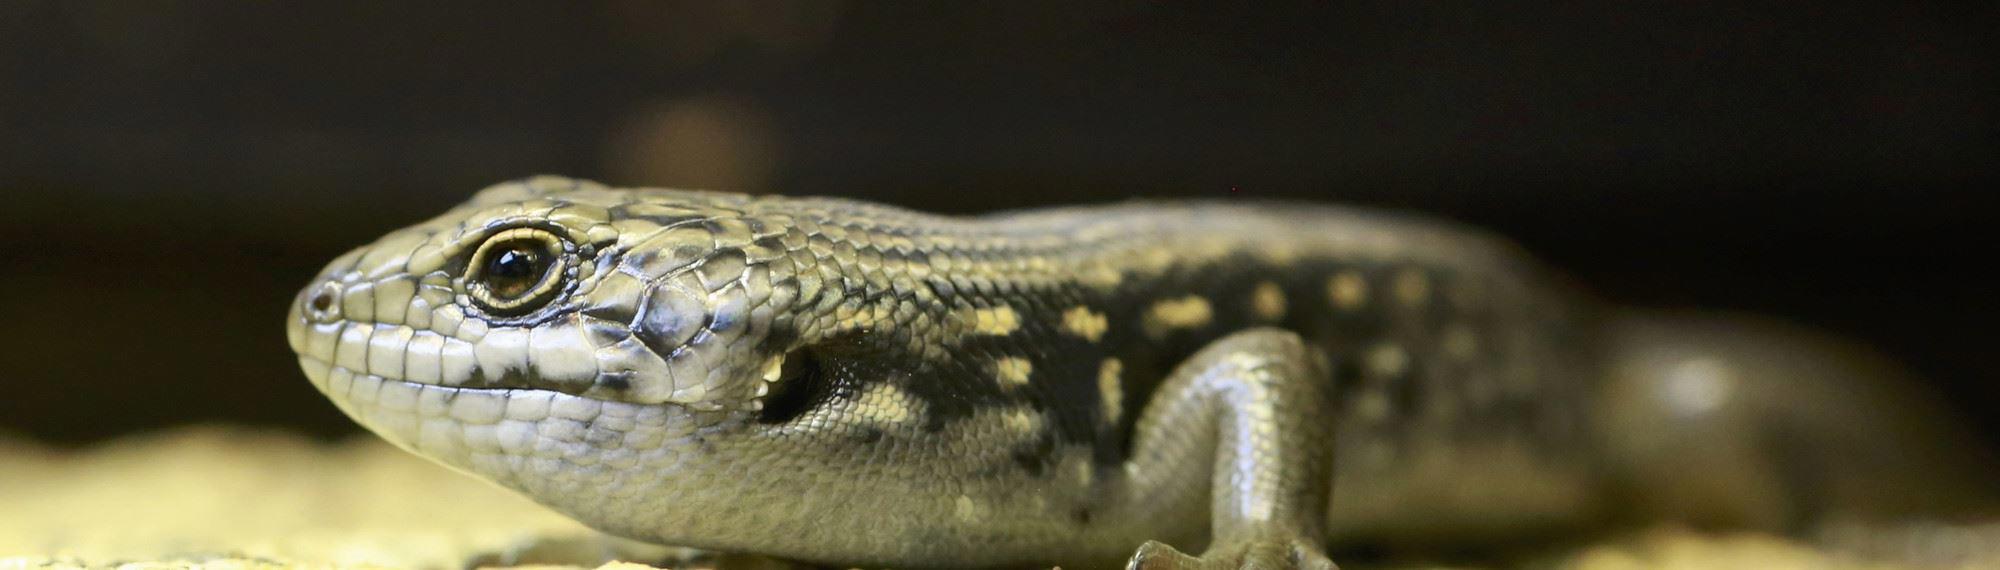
(1262, 555)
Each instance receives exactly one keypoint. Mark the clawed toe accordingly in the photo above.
(1287, 555)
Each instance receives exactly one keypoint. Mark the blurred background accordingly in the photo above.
(171, 171)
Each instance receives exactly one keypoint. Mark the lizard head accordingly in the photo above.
(560, 286)
(552, 333)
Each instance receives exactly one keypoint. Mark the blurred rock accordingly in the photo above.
(238, 498)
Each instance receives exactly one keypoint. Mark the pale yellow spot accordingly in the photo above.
(1412, 287)
(887, 404)
(1459, 341)
(1268, 300)
(1083, 322)
(1083, 472)
(1157, 259)
(1102, 277)
(1347, 290)
(966, 509)
(1110, 388)
(1023, 421)
(996, 321)
(1013, 371)
(1387, 360)
(1184, 313)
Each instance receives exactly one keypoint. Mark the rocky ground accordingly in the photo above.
(232, 498)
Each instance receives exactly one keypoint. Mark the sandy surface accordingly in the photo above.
(232, 498)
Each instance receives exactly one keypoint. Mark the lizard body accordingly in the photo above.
(847, 383)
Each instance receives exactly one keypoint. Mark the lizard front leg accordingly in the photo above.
(1252, 411)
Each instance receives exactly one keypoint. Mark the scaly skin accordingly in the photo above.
(846, 383)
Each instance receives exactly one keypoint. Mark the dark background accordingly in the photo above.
(171, 171)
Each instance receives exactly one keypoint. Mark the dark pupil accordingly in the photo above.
(514, 271)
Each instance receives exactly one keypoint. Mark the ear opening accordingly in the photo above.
(802, 383)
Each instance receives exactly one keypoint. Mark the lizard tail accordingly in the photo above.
(1744, 422)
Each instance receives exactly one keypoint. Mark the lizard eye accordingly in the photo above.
(516, 271)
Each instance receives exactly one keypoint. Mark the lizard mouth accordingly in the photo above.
(359, 389)
(463, 426)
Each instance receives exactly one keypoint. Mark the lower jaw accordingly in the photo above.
(590, 459)
(496, 432)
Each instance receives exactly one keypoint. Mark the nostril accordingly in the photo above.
(323, 300)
